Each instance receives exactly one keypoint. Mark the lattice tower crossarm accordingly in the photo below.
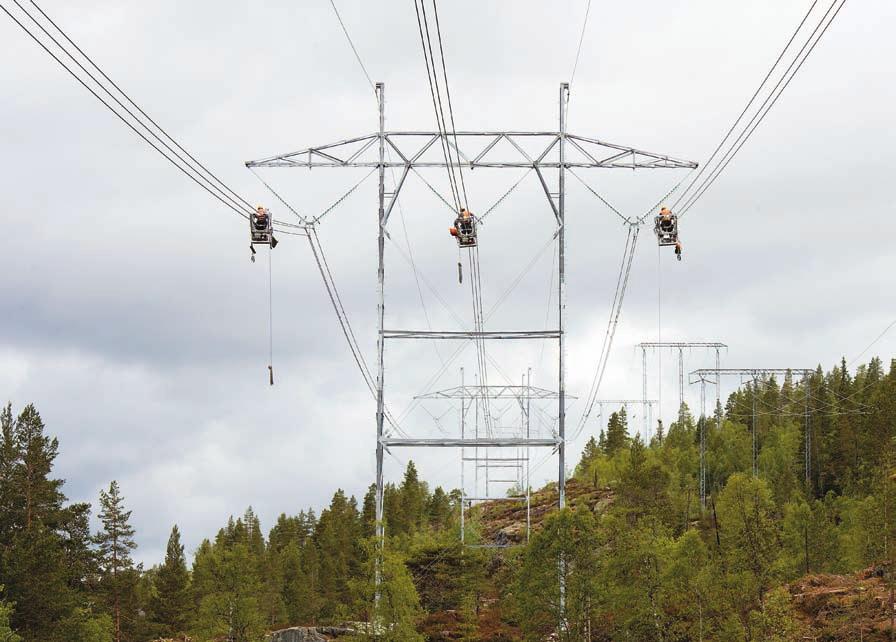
(492, 392)
(410, 147)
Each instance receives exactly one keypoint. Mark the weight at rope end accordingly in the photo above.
(271, 374)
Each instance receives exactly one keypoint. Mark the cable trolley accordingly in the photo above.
(666, 230)
(464, 229)
(261, 230)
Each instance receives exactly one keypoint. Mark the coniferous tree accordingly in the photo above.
(438, 510)
(115, 542)
(368, 511)
(9, 458)
(339, 556)
(40, 496)
(170, 605)
(617, 433)
(34, 564)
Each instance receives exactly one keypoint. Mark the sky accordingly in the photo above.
(131, 316)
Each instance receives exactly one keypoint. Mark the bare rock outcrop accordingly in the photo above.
(309, 634)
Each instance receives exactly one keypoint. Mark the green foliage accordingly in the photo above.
(6, 632)
(392, 609)
(228, 603)
(564, 548)
(648, 563)
(169, 606)
(617, 433)
(85, 626)
(776, 622)
(749, 534)
(117, 578)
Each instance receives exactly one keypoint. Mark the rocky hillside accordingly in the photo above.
(845, 607)
(505, 522)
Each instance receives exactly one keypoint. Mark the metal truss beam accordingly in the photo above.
(411, 148)
(491, 392)
(489, 464)
(754, 373)
(476, 442)
(680, 347)
(428, 334)
(681, 344)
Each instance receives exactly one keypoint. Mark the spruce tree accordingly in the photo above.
(115, 543)
(438, 510)
(413, 498)
(617, 432)
(368, 511)
(171, 603)
(338, 543)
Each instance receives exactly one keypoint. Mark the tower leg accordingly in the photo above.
(380, 406)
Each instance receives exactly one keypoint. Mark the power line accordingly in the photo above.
(352, 44)
(175, 159)
(773, 98)
(621, 286)
(136, 106)
(460, 170)
(581, 40)
(394, 182)
(752, 99)
(870, 345)
(432, 78)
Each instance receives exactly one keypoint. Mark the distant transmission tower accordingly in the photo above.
(679, 347)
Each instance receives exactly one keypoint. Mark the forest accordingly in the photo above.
(640, 558)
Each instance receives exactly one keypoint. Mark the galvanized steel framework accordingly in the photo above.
(679, 346)
(355, 152)
(757, 374)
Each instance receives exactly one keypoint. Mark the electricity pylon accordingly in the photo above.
(557, 150)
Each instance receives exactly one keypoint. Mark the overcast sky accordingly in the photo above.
(131, 316)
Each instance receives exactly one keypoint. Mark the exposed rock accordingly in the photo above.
(308, 634)
(844, 607)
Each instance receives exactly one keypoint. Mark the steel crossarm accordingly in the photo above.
(411, 149)
(476, 442)
(491, 392)
(491, 335)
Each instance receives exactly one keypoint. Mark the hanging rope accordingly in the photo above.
(659, 333)
(270, 315)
